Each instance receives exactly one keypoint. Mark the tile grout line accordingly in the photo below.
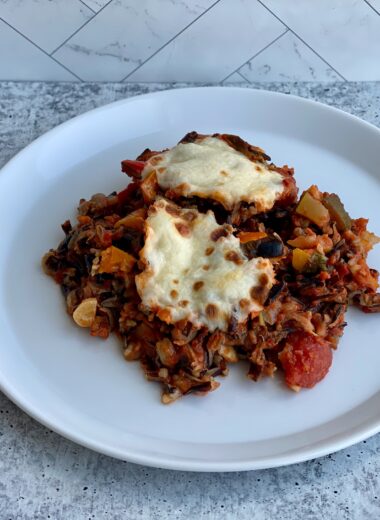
(88, 7)
(319, 56)
(303, 41)
(371, 6)
(257, 54)
(242, 76)
(171, 39)
(41, 49)
(239, 74)
(80, 28)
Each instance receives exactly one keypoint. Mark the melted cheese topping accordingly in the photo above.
(210, 168)
(196, 270)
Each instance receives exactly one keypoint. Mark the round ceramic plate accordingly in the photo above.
(81, 387)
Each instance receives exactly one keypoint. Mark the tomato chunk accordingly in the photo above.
(127, 194)
(133, 168)
(306, 359)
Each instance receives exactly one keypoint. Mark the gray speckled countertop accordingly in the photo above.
(45, 476)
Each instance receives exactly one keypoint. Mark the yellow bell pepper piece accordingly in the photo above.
(313, 209)
(113, 260)
(300, 259)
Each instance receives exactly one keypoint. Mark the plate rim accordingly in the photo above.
(319, 448)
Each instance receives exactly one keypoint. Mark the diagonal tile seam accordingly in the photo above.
(302, 40)
(80, 28)
(88, 7)
(171, 39)
(223, 82)
(42, 50)
(255, 55)
(242, 76)
(371, 6)
(265, 48)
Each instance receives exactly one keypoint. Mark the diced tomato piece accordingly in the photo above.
(306, 359)
(126, 194)
(342, 270)
(133, 168)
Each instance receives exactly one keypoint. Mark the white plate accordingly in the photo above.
(81, 387)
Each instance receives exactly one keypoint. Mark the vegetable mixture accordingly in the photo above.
(306, 255)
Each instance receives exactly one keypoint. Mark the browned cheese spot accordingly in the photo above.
(198, 285)
(183, 229)
(189, 216)
(218, 233)
(258, 168)
(259, 293)
(261, 263)
(164, 315)
(212, 311)
(232, 256)
(243, 303)
(175, 281)
(173, 294)
(225, 174)
(183, 303)
(264, 280)
(206, 267)
(172, 210)
(209, 251)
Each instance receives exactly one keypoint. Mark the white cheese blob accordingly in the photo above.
(210, 168)
(195, 270)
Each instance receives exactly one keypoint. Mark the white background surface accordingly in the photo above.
(190, 40)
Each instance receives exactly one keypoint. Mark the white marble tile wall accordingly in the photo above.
(227, 41)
